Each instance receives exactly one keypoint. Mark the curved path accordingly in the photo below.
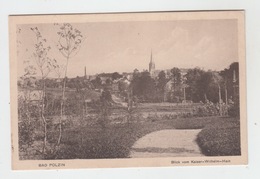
(118, 100)
(167, 143)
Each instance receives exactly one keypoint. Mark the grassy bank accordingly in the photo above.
(220, 138)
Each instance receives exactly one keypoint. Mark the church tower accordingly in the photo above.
(151, 65)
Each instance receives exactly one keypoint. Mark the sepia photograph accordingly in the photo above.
(128, 89)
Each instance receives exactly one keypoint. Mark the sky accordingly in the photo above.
(124, 46)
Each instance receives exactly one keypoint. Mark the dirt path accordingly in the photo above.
(167, 143)
(118, 100)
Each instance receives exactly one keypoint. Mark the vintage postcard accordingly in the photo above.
(128, 90)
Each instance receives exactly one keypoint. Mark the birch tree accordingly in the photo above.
(45, 65)
(69, 43)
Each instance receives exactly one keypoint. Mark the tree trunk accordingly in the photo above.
(62, 104)
(226, 97)
(219, 94)
(220, 101)
(205, 96)
(43, 118)
(184, 94)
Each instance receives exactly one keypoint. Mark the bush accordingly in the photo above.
(221, 138)
(207, 109)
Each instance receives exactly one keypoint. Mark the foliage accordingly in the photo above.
(162, 80)
(176, 76)
(207, 109)
(221, 138)
(228, 75)
(144, 87)
(173, 88)
(70, 40)
(210, 85)
(44, 63)
(193, 78)
(103, 107)
(116, 76)
(203, 85)
(97, 83)
(27, 117)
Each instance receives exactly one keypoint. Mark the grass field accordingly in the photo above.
(219, 136)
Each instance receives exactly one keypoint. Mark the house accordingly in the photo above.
(92, 77)
(128, 76)
(105, 80)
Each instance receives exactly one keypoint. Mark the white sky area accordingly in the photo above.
(124, 46)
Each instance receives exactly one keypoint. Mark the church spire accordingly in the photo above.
(151, 60)
(85, 72)
(151, 64)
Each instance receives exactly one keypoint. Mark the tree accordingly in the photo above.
(204, 85)
(45, 66)
(228, 76)
(69, 43)
(104, 108)
(224, 75)
(144, 86)
(217, 79)
(176, 82)
(161, 84)
(116, 75)
(210, 86)
(97, 83)
(193, 80)
(106, 96)
(108, 81)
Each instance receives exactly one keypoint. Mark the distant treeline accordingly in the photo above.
(196, 85)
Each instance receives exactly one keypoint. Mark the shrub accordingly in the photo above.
(221, 138)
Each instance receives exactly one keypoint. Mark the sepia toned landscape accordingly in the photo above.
(128, 89)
